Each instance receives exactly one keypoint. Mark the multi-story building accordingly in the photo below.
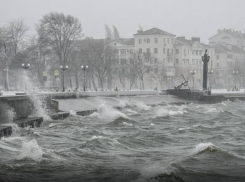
(228, 36)
(230, 57)
(159, 44)
(188, 59)
(229, 66)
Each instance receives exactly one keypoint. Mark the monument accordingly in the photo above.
(205, 60)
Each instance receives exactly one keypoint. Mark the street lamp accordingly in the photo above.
(63, 68)
(25, 66)
(193, 72)
(151, 80)
(169, 82)
(235, 73)
(7, 78)
(84, 68)
(210, 72)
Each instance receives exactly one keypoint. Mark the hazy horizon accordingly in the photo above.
(189, 18)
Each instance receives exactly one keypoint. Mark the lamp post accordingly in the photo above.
(235, 73)
(193, 72)
(151, 80)
(169, 82)
(7, 78)
(25, 66)
(84, 68)
(210, 72)
(63, 68)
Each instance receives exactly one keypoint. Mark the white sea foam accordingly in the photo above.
(142, 106)
(130, 111)
(123, 103)
(73, 113)
(30, 150)
(6, 147)
(203, 146)
(127, 124)
(161, 112)
(108, 112)
(96, 137)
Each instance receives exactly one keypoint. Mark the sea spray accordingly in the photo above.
(38, 100)
(108, 112)
(30, 150)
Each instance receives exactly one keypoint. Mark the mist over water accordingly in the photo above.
(195, 142)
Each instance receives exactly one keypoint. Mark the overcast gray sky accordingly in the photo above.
(190, 18)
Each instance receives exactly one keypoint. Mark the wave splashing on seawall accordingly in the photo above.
(109, 146)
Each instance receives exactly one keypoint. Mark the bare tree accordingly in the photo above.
(61, 33)
(11, 43)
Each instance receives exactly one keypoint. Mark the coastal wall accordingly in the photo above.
(16, 105)
(69, 95)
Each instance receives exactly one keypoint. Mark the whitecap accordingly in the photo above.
(203, 146)
(30, 150)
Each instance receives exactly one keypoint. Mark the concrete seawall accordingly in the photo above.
(69, 95)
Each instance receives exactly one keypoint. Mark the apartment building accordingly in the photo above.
(229, 66)
(159, 45)
(188, 59)
(228, 36)
(229, 54)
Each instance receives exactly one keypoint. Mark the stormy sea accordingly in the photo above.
(193, 142)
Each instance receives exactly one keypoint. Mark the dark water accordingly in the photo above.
(192, 143)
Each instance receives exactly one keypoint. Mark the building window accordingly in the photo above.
(164, 40)
(200, 52)
(148, 50)
(168, 41)
(193, 61)
(197, 61)
(200, 62)
(184, 61)
(168, 51)
(193, 52)
(176, 51)
(196, 52)
(140, 51)
(155, 40)
(155, 60)
(148, 40)
(177, 61)
(187, 61)
(123, 51)
(155, 50)
(140, 41)
(156, 70)
(184, 51)
(163, 50)
(217, 56)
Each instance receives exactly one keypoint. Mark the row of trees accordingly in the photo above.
(59, 40)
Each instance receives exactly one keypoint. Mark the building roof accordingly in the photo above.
(219, 48)
(127, 41)
(236, 49)
(233, 33)
(183, 41)
(154, 31)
